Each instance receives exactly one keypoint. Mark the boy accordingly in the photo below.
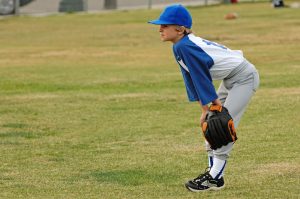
(202, 61)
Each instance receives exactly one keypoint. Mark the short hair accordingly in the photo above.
(186, 31)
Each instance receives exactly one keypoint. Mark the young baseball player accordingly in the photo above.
(201, 61)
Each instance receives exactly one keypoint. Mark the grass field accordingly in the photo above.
(94, 106)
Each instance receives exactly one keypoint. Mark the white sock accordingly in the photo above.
(218, 167)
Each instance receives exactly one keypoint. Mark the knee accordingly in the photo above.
(221, 156)
(223, 152)
(207, 147)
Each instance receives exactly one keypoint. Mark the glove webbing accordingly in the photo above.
(217, 134)
(218, 129)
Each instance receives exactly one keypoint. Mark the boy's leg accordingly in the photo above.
(222, 94)
(236, 102)
(239, 96)
(235, 99)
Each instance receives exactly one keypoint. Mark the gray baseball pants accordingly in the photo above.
(235, 93)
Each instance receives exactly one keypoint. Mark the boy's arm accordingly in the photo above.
(198, 64)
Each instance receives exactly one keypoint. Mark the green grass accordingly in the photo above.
(94, 106)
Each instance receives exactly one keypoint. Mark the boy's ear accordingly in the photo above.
(180, 29)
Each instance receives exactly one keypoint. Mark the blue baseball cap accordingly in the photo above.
(174, 15)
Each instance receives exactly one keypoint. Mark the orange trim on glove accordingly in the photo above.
(215, 107)
(232, 130)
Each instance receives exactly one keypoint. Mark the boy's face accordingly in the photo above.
(170, 33)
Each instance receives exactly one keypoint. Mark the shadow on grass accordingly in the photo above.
(14, 125)
(132, 177)
(17, 133)
(23, 134)
(19, 130)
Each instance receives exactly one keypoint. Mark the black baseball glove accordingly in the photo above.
(218, 128)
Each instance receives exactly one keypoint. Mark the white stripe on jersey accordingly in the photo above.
(225, 59)
(183, 65)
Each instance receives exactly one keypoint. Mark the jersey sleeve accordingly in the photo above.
(190, 89)
(198, 64)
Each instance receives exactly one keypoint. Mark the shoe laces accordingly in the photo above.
(207, 169)
(202, 177)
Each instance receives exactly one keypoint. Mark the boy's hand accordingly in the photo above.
(205, 109)
(203, 116)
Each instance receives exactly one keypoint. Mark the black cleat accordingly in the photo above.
(205, 182)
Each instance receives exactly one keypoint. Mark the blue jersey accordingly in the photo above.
(200, 62)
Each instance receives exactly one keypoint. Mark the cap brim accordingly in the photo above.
(160, 22)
